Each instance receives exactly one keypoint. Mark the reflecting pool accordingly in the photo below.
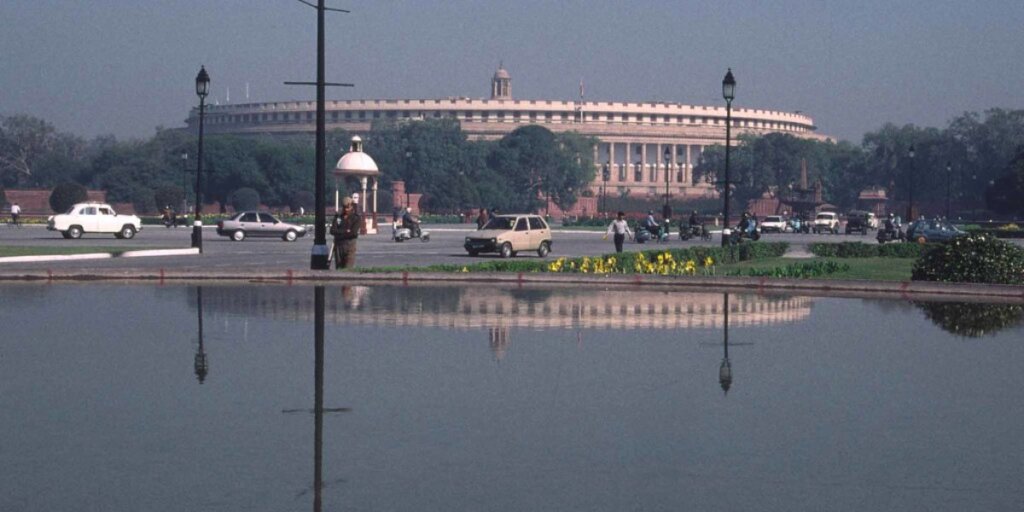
(395, 398)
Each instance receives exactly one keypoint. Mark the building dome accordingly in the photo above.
(501, 73)
(355, 162)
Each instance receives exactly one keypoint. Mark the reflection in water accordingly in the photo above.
(318, 397)
(496, 308)
(201, 366)
(973, 319)
(725, 370)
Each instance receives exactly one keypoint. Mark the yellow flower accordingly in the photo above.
(708, 261)
(465, 269)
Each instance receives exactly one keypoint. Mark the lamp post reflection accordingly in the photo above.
(201, 365)
(318, 398)
(725, 370)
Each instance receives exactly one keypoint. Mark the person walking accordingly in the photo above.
(619, 228)
(345, 229)
(481, 220)
(15, 213)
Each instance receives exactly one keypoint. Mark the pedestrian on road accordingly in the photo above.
(619, 228)
(345, 228)
(15, 213)
(481, 220)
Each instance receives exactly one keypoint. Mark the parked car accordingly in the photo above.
(826, 222)
(507, 235)
(925, 231)
(857, 222)
(94, 218)
(774, 224)
(258, 224)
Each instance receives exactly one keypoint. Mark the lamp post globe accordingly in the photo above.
(202, 90)
(728, 93)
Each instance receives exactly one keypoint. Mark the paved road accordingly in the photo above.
(445, 246)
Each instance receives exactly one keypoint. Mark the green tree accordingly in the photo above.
(167, 194)
(1006, 195)
(245, 198)
(65, 195)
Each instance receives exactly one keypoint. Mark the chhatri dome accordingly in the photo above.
(501, 84)
(355, 162)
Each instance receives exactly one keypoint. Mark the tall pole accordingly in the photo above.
(949, 185)
(318, 259)
(910, 202)
(202, 89)
(725, 369)
(728, 90)
(318, 396)
(184, 184)
(666, 211)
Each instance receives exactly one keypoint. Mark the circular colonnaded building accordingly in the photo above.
(633, 137)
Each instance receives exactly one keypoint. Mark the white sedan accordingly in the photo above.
(94, 218)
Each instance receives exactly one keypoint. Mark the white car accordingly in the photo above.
(773, 224)
(826, 222)
(94, 218)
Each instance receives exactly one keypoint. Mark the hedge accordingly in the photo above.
(971, 259)
(864, 250)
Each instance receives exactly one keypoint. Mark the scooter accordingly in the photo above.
(738, 235)
(401, 234)
(890, 235)
(643, 235)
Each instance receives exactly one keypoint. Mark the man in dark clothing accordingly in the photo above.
(481, 220)
(345, 228)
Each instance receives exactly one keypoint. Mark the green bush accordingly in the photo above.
(65, 195)
(971, 259)
(585, 221)
(800, 270)
(864, 250)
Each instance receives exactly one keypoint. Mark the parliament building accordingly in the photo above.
(640, 144)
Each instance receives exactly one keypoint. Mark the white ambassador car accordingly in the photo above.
(94, 218)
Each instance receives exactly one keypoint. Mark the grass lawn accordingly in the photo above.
(875, 269)
(47, 251)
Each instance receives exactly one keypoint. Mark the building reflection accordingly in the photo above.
(499, 310)
(318, 397)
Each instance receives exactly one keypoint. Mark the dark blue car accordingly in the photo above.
(926, 231)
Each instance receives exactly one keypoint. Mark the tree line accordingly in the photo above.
(521, 171)
(978, 156)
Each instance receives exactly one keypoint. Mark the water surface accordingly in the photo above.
(500, 399)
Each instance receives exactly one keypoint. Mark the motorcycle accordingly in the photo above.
(643, 234)
(893, 234)
(688, 232)
(797, 225)
(401, 233)
(737, 235)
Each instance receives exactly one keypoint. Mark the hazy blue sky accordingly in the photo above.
(125, 67)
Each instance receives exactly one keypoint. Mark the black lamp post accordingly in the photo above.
(728, 92)
(408, 172)
(949, 185)
(202, 89)
(666, 211)
(201, 366)
(910, 202)
(606, 174)
(184, 183)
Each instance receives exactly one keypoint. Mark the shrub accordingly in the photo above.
(65, 195)
(245, 198)
(972, 259)
(799, 270)
(864, 250)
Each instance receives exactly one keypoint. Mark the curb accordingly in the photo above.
(919, 290)
(100, 255)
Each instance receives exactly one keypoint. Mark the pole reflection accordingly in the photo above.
(318, 397)
(201, 366)
(725, 369)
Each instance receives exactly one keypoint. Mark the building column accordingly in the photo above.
(675, 161)
(643, 159)
(687, 170)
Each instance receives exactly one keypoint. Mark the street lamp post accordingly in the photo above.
(202, 89)
(666, 211)
(184, 183)
(606, 174)
(949, 185)
(728, 93)
(910, 203)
